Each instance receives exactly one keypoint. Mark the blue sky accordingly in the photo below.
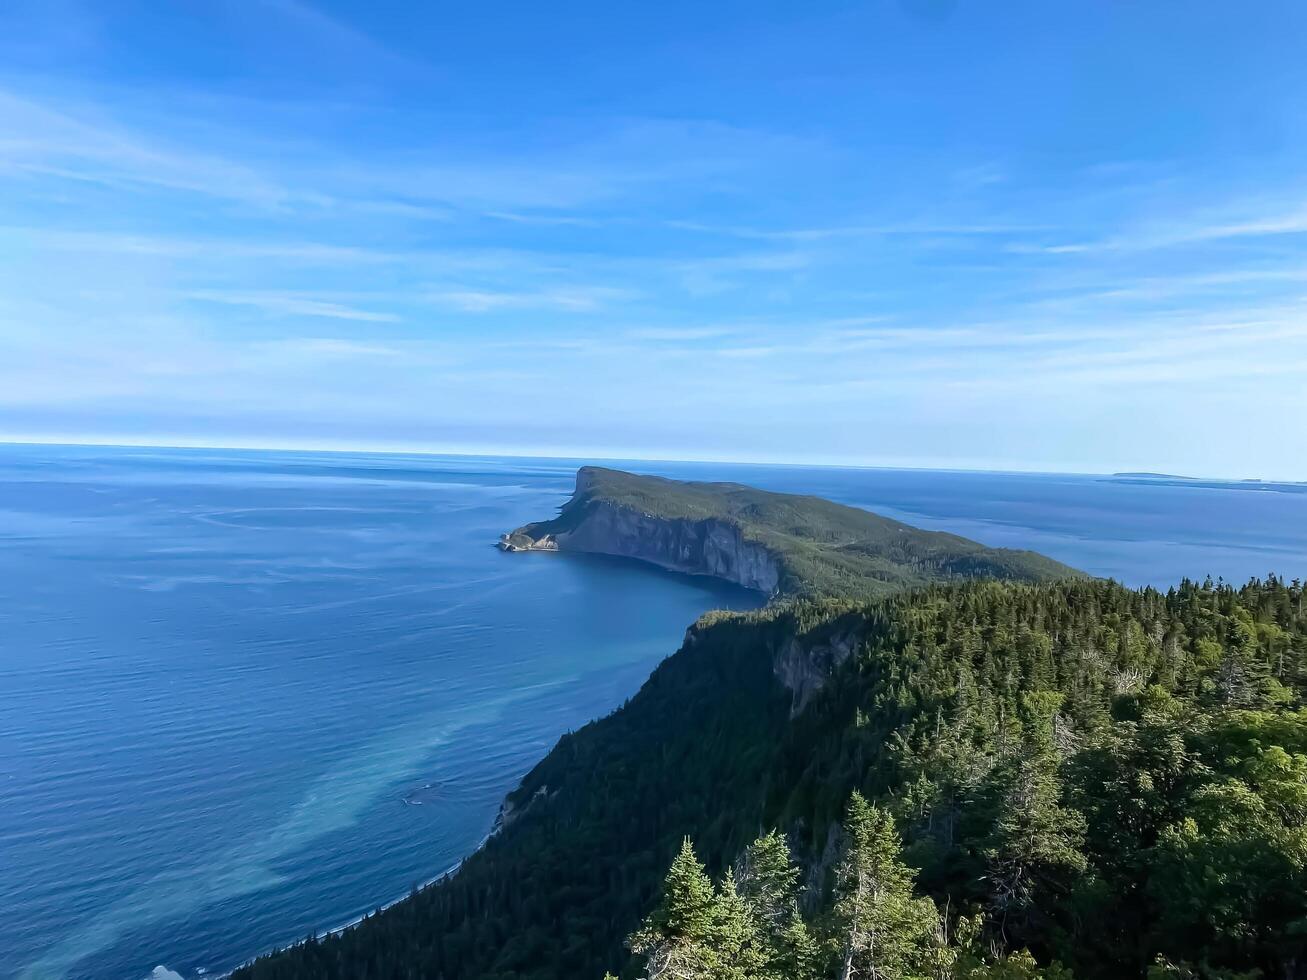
(1056, 236)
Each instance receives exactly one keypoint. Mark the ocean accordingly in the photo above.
(246, 696)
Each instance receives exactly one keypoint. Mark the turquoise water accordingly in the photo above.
(245, 696)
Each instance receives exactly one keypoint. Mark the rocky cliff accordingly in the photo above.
(804, 667)
(801, 663)
(776, 543)
(708, 546)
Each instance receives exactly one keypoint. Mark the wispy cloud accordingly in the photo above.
(109, 243)
(1236, 222)
(336, 348)
(89, 142)
(350, 231)
(306, 22)
(659, 334)
(839, 232)
(575, 299)
(75, 144)
(292, 304)
(1286, 220)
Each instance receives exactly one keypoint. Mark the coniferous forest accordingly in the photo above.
(973, 780)
(390, 389)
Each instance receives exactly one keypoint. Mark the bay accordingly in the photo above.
(249, 695)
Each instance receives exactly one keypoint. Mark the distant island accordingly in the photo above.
(777, 543)
(1152, 476)
(922, 758)
(1202, 483)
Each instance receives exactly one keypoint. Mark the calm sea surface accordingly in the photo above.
(245, 695)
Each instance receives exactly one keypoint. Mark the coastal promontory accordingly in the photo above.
(776, 543)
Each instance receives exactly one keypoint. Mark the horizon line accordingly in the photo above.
(606, 455)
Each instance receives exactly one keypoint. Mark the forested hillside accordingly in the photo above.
(1114, 781)
(820, 548)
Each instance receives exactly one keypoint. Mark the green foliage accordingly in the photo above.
(823, 548)
(974, 959)
(1231, 872)
(1033, 849)
(686, 912)
(878, 927)
(769, 883)
(880, 930)
(1081, 774)
(683, 936)
(698, 933)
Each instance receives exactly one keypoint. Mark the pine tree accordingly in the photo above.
(1035, 841)
(881, 931)
(676, 939)
(768, 879)
(768, 882)
(737, 948)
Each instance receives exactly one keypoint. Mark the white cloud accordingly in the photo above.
(658, 334)
(41, 140)
(1236, 222)
(335, 348)
(228, 234)
(579, 299)
(110, 243)
(293, 304)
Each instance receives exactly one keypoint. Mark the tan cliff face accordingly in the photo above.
(805, 668)
(707, 547)
(801, 664)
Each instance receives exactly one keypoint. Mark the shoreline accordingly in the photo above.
(358, 920)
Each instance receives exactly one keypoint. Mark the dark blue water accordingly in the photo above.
(1140, 532)
(244, 696)
(221, 674)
